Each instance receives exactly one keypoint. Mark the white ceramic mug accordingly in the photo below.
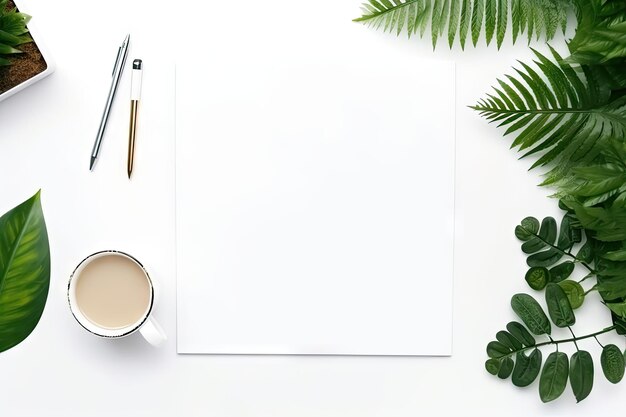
(147, 326)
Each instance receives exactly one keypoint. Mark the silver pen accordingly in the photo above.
(118, 68)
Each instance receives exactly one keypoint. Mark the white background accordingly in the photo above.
(46, 133)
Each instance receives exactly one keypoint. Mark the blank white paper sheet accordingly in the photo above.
(315, 186)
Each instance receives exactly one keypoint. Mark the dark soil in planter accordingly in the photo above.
(23, 66)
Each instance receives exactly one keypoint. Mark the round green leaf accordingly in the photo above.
(520, 333)
(537, 277)
(548, 230)
(531, 313)
(574, 291)
(612, 360)
(506, 368)
(553, 377)
(581, 374)
(561, 271)
(528, 227)
(24, 271)
(497, 350)
(492, 366)
(559, 308)
(507, 339)
(526, 368)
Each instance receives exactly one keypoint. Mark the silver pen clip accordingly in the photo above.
(117, 59)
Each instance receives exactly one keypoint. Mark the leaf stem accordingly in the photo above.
(574, 336)
(567, 253)
(586, 277)
(601, 345)
(595, 287)
(557, 342)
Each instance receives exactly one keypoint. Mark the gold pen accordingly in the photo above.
(135, 96)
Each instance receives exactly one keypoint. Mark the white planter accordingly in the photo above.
(46, 56)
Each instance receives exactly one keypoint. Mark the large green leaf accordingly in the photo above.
(553, 377)
(612, 361)
(535, 17)
(559, 308)
(559, 113)
(24, 271)
(581, 374)
(531, 313)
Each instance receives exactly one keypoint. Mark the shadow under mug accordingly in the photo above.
(147, 326)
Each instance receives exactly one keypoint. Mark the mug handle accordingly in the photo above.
(152, 332)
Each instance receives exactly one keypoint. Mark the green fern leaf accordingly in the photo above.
(601, 33)
(563, 115)
(457, 17)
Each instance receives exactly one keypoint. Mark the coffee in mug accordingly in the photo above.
(111, 295)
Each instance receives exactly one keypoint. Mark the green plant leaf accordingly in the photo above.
(574, 291)
(600, 34)
(13, 32)
(618, 308)
(527, 229)
(493, 366)
(545, 238)
(531, 313)
(537, 277)
(561, 271)
(612, 287)
(526, 368)
(600, 181)
(553, 377)
(542, 246)
(506, 368)
(497, 350)
(520, 333)
(612, 360)
(487, 16)
(508, 340)
(608, 223)
(564, 116)
(581, 374)
(12, 40)
(559, 308)
(7, 50)
(585, 253)
(24, 271)
(618, 255)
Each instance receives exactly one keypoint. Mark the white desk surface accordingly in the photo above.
(46, 135)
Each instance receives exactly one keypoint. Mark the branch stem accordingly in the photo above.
(557, 342)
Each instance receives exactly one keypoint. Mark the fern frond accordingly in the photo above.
(565, 116)
(462, 17)
(601, 33)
